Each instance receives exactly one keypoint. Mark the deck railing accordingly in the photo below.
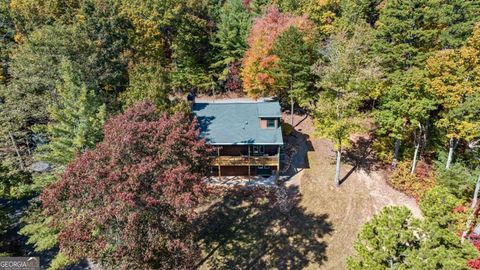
(245, 160)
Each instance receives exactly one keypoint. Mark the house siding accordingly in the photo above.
(233, 150)
(234, 170)
(237, 170)
(263, 123)
(242, 150)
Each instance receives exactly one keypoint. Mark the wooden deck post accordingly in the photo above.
(248, 146)
(219, 167)
(277, 174)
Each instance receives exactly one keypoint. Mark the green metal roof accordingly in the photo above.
(238, 123)
(269, 109)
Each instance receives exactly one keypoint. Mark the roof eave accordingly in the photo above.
(223, 144)
(269, 116)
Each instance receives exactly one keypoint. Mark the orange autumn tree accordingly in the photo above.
(259, 62)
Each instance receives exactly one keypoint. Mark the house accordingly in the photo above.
(247, 134)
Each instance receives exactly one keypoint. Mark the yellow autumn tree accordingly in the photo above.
(324, 13)
(32, 13)
(175, 34)
(454, 79)
(147, 18)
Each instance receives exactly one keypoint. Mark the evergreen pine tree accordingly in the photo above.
(230, 40)
(406, 34)
(33, 72)
(76, 119)
(457, 19)
(296, 54)
(148, 82)
(385, 241)
(394, 239)
(7, 32)
(355, 11)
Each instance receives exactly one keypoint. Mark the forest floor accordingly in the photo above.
(323, 221)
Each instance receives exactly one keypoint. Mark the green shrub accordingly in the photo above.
(438, 205)
(380, 240)
(14, 183)
(394, 239)
(459, 179)
(60, 261)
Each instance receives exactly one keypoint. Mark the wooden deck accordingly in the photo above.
(245, 161)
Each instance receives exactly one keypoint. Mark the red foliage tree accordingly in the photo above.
(259, 61)
(475, 239)
(233, 82)
(129, 203)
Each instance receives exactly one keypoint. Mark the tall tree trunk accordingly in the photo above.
(291, 111)
(417, 138)
(451, 147)
(475, 193)
(396, 150)
(28, 146)
(22, 166)
(337, 168)
(425, 133)
(415, 156)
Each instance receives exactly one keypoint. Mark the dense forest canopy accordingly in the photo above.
(405, 71)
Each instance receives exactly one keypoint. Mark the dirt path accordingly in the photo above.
(359, 197)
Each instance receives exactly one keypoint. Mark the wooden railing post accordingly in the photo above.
(245, 161)
(249, 167)
(219, 166)
(278, 163)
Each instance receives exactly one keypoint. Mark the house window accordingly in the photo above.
(258, 150)
(270, 123)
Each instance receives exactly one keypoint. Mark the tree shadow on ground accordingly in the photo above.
(301, 120)
(15, 244)
(360, 155)
(244, 230)
(297, 145)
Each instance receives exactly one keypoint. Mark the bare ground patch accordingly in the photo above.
(362, 194)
